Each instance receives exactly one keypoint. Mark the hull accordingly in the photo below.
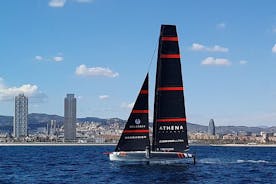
(154, 157)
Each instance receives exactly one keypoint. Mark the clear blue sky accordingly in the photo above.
(100, 50)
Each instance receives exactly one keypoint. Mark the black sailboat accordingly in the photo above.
(169, 140)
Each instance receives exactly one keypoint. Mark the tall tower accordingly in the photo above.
(53, 127)
(211, 127)
(20, 119)
(70, 118)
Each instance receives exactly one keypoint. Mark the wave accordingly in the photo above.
(209, 161)
(218, 161)
(252, 161)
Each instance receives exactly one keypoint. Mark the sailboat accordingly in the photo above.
(169, 137)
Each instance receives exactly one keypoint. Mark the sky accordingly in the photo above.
(101, 50)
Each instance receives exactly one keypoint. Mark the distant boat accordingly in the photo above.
(169, 140)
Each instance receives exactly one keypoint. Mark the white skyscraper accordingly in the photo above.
(53, 127)
(20, 120)
(70, 118)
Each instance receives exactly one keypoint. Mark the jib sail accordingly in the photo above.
(135, 136)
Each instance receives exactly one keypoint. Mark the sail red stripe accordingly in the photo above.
(170, 56)
(140, 111)
(144, 92)
(172, 38)
(168, 120)
(136, 131)
(171, 89)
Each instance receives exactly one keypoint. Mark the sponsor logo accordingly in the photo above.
(137, 126)
(171, 128)
(166, 149)
(171, 141)
(137, 121)
(135, 137)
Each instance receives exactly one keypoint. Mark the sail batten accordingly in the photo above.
(140, 111)
(171, 88)
(169, 121)
(170, 56)
(170, 38)
(136, 131)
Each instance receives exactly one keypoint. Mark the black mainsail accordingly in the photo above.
(135, 136)
(169, 121)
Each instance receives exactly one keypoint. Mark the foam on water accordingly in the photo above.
(252, 161)
(209, 161)
(219, 161)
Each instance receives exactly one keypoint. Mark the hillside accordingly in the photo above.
(37, 120)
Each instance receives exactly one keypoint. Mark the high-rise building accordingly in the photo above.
(70, 118)
(52, 128)
(20, 119)
(211, 127)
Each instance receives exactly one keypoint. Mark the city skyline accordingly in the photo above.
(101, 52)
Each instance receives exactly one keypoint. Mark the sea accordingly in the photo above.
(89, 164)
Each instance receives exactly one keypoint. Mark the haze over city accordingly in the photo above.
(100, 50)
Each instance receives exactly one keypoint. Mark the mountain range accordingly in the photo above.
(37, 120)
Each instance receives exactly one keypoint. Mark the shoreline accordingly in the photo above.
(111, 144)
(55, 144)
(244, 145)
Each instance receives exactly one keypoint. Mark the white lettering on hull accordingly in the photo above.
(166, 149)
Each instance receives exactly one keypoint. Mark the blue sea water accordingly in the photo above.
(88, 164)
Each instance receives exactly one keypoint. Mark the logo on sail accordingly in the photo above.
(137, 121)
(173, 127)
(138, 124)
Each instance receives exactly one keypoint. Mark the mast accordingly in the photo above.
(169, 121)
(135, 136)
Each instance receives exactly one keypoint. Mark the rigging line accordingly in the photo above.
(156, 107)
(156, 45)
